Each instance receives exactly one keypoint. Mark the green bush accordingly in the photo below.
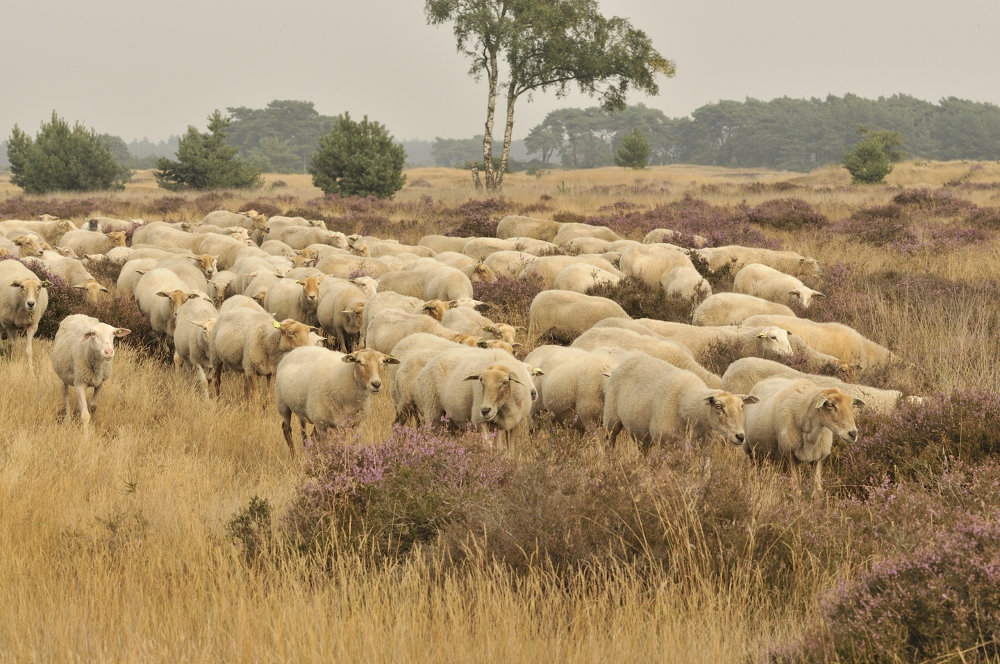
(358, 159)
(63, 159)
(872, 158)
(206, 161)
(634, 152)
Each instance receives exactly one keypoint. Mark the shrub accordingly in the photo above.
(477, 217)
(872, 157)
(940, 601)
(788, 214)
(509, 298)
(634, 151)
(358, 159)
(251, 528)
(936, 202)
(206, 161)
(640, 301)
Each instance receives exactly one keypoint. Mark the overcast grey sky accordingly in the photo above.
(149, 69)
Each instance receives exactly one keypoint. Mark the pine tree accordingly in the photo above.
(358, 159)
(634, 152)
(206, 161)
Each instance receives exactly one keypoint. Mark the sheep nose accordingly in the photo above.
(740, 437)
(853, 435)
(376, 385)
(485, 411)
(30, 304)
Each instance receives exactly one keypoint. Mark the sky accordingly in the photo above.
(140, 69)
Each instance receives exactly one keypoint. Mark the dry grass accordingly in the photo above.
(116, 546)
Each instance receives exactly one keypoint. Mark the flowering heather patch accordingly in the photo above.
(785, 214)
(509, 298)
(985, 218)
(939, 202)
(266, 206)
(476, 217)
(937, 602)
(888, 232)
(419, 183)
(209, 202)
(391, 494)
(640, 301)
(168, 205)
(952, 237)
(19, 207)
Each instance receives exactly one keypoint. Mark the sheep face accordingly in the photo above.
(117, 238)
(726, 415)
(496, 387)
(496, 343)
(836, 414)
(310, 291)
(93, 289)
(101, 338)
(207, 263)
(803, 296)
(368, 368)
(435, 309)
(28, 246)
(30, 289)
(293, 334)
(482, 273)
(353, 318)
(502, 331)
(774, 340)
(177, 298)
(809, 268)
(368, 285)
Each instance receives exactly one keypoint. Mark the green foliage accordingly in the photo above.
(873, 157)
(63, 159)
(547, 46)
(279, 138)
(634, 152)
(206, 161)
(358, 159)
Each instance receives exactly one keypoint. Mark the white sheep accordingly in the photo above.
(518, 226)
(23, 300)
(657, 347)
(487, 388)
(389, 326)
(27, 246)
(658, 235)
(507, 263)
(469, 321)
(443, 243)
(89, 242)
(326, 388)
(341, 311)
(581, 277)
(82, 356)
(654, 401)
(734, 308)
(549, 267)
(252, 342)
(650, 262)
(294, 298)
(770, 284)
(195, 319)
(795, 422)
(219, 286)
(841, 341)
(159, 293)
(737, 256)
(573, 388)
(568, 231)
(567, 314)
(685, 282)
(51, 230)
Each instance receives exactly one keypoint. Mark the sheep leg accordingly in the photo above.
(613, 434)
(81, 395)
(68, 402)
(817, 478)
(202, 379)
(93, 398)
(177, 361)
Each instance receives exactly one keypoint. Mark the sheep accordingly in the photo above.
(393, 248)
(189, 269)
(581, 277)
(89, 242)
(28, 246)
(685, 282)
(226, 249)
(486, 388)
(224, 218)
(469, 321)
(195, 319)
(23, 300)
(388, 327)
(660, 348)
(507, 263)
(456, 260)
(131, 273)
(478, 273)
(650, 262)
(340, 312)
(567, 314)
(737, 256)
(260, 285)
(746, 372)
(841, 341)
(549, 267)
(568, 231)
(163, 234)
(159, 293)
(294, 298)
(574, 387)
(403, 384)
(478, 248)
(439, 283)
(658, 235)
(74, 273)
(82, 355)
(326, 388)
(253, 343)
(517, 226)
(218, 286)
(795, 421)
(298, 237)
(654, 400)
(110, 224)
(51, 230)
(770, 284)
(734, 308)
(443, 243)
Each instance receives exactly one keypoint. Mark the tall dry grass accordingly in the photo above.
(118, 547)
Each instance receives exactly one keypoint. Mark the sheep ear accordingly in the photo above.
(472, 377)
(820, 402)
(122, 332)
(277, 325)
(191, 296)
(80, 287)
(481, 343)
(762, 335)
(710, 399)
(104, 289)
(46, 283)
(794, 292)
(859, 403)
(389, 359)
(521, 328)
(749, 398)
(350, 358)
(818, 294)
(490, 329)
(537, 372)
(162, 294)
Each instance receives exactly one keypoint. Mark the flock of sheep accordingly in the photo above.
(245, 294)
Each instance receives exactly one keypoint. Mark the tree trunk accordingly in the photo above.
(491, 105)
(508, 133)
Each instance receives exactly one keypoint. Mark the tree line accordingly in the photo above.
(787, 134)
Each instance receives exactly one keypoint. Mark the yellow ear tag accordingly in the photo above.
(277, 325)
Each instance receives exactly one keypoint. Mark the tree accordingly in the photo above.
(634, 152)
(284, 135)
(63, 159)
(872, 157)
(206, 161)
(543, 45)
(358, 158)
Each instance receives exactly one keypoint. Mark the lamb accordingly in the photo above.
(654, 400)
(795, 421)
(650, 262)
(737, 256)
(581, 277)
(662, 349)
(253, 343)
(89, 242)
(770, 284)
(685, 282)
(82, 356)
(487, 388)
(517, 226)
(195, 319)
(841, 341)
(326, 388)
(746, 372)
(294, 298)
(734, 308)
(567, 314)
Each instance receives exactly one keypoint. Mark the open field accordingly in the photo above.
(182, 530)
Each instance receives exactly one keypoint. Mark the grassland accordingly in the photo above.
(180, 531)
